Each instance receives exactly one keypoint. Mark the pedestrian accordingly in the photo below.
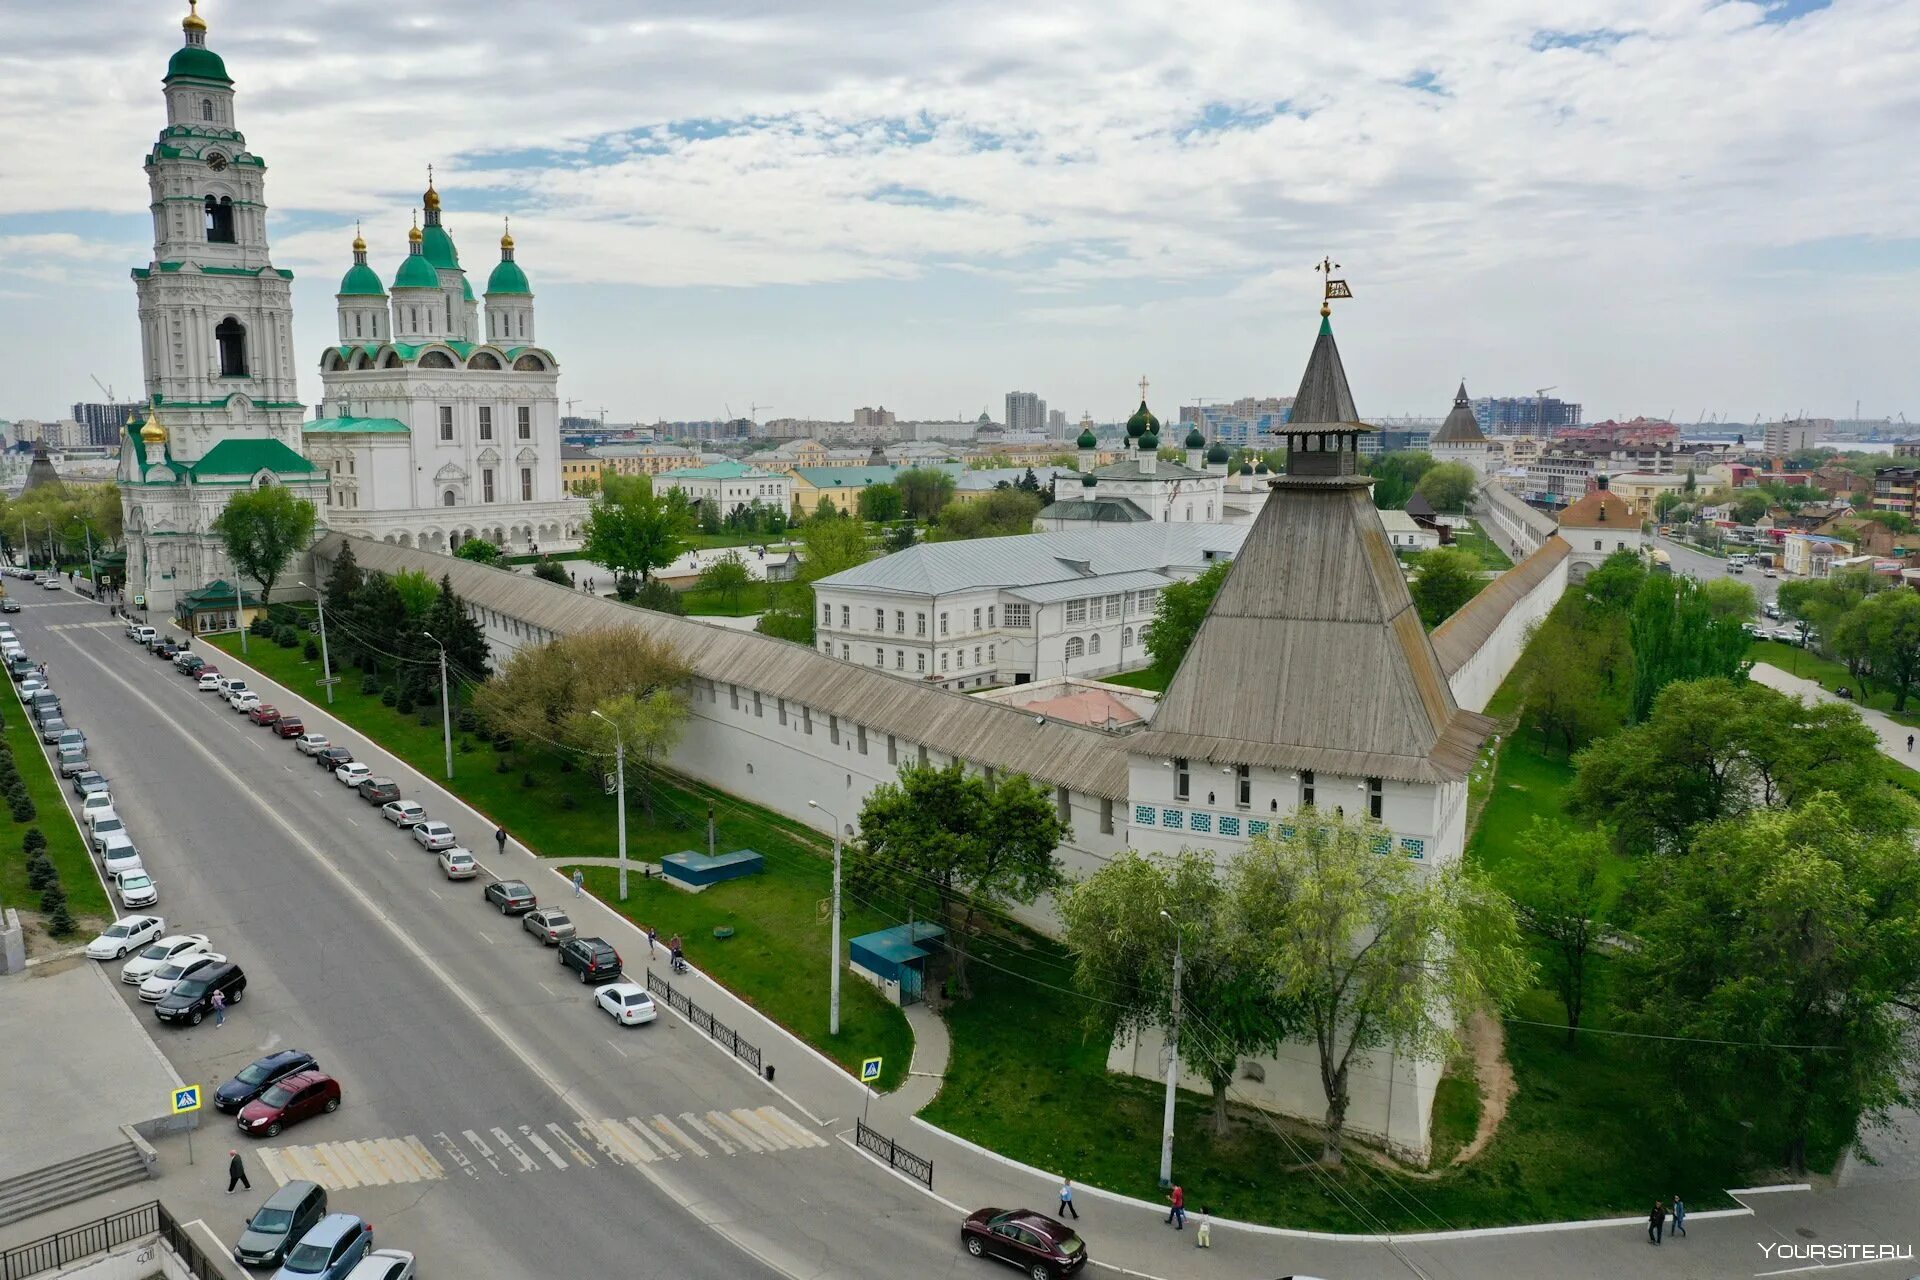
(1203, 1231)
(1656, 1220)
(1679, 1216)
(673, 950)
(1177, 1207)
(1066, 1198)
(219, 1008)
(653, 940)
(236, 1173)
(575, 581)
(579, 879)
(1909, 744)
(500, 839)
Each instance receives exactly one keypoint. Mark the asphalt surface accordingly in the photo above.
(453, 1032)
(1706, 568)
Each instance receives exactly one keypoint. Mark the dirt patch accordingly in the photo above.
(1487, 1040)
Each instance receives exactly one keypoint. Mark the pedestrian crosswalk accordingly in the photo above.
(552, 1147)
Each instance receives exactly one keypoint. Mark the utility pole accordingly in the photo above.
(1173, 1064)
(446, 710)
(326, 663)
(240, 607)
(620, 794)
(833, 1007)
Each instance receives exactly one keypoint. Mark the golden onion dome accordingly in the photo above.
(432, 198)
(359, 244)
(414, 236)
(153, 432)
(193, 21)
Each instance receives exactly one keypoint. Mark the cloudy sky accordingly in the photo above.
(1657, 206)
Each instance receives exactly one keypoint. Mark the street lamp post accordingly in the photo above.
(326, 664)
(446, 709)
(620, 793)
(833, 1006)
(1173, 1063)
(240, 607)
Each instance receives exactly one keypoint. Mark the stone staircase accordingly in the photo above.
(71, 1180)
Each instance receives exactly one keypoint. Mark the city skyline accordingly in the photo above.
(817, 208)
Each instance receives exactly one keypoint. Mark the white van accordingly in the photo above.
(143, 636)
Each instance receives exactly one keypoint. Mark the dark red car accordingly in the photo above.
(1033, 1242)
(298, 1097)
(289, 726)
(265, 713)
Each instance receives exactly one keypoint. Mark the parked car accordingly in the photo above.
(289, 727)
(188, 660)
(353, 774)
(166, 649)
(141, 967)
(117, 853)
(128, 933)
(243, 702)
(331, 758)
(403, 813)
(105, 828)
(628, 1002)
(264, 713)
(431, 836)
(511, 896)
(385, 1264)
(140, 633)
(288, 1214)
(379, 791)
(137, 888)
(208, 680)
(308, 744)
(331, 1248)
(594, 959)
(50, 730)
(159, 984)
(69, 735)
(1033, 1242)
(87, 782)
(73, 760)
(549, 924)
(253, 1079)
(457, 863)
(192, 1000)
(97, 808)
(288, 1101)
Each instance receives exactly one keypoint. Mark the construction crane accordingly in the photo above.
(1540, 417)
(570, 405)
(753, 411)
(107, 390)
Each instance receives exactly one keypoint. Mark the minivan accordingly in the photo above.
(288, 1215)
(142, 636)
(73, 758)
(329, 1249)
(192, 1000)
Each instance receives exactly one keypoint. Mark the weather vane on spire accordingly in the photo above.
(1335, 288)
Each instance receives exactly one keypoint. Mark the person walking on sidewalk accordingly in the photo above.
(579, 879)
(1203, 1230)
(1679, 1216)
(219, 1008)
(236, 1173)
(1656, 1220)
(1177, 1210)
(1066, 1198)
(653, 942)
(500, 839)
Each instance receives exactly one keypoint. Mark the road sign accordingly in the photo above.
(139, 602)
(187, 1099)
(870, 1071)
(331, 680)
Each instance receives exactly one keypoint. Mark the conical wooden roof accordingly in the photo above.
(1461, 427)
(1324, 395)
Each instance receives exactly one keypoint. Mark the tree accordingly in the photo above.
(1563, 693)
(1449, 486)
(710, 521)
(480, 551)
(450, 621)
(899, 537)
(925, 491)
(1444, 579)
(1001, 514)
(1562, 902)
(1749, 508)
(549, 570)
(1177, 617)
(343, 582)
(1123, 952)
(949, 844)
(1617, 581)
(881, 503)
(1781, 956)
(1395, 474)
(647, 724)
(1676, 637)
(261, 530)
(1892, 634)
(632, 533)
(1730, 600)
(727, 577)
(1373, 949)
(1823, 602)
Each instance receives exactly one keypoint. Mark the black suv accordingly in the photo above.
(192, 1000)
(379, 790)
(594, 959)
(513, 897)
(258, 1074)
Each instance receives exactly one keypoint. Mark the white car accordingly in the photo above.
(458, 863)
(128, 933)
(137, 888)
(352, 773)
(433, 836)
(119, 855)
(207, 683)
(404, 813)
(628, 1002)
(308, 743)
(97, 808)
(51, 584)
(104, 828)
(141, 967)
(243, 701)
(161, 982)
(384, 1264)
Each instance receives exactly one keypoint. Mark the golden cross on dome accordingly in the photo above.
(1143, 388)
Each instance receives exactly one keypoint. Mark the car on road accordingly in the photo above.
(431, 836)
(159, 984)
(166, 648)
(9, 605)
(511, 896)
(265, 713)
(289, 727)
(243, 702)
(253, 1079)
(331, 1248)
(88, 782)
(104, 828)
(594, 959)
(549, 924)
(385, 1264)
(207, 681)
(379, 791)
(118, 854)
(192, 1000)
(1036, 1244)
(628, 1002)
(352, 774)
(175, 947)
(288, 1214)
(128, 933)
(137, 888)
(188, 658)
(457, 863)
(1771, 573)
(73, 760)
(50, 730)
(308, 744)
(331, 758)
(97, 808)
(288, 1101)
(51, 584)
(403, 813)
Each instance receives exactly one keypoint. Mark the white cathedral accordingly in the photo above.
(430, 431)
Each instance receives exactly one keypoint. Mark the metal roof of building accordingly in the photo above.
(1103, 584)
(1458, 638)
(1034, 559)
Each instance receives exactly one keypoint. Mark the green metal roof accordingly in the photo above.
(466, 288)
(417, 273)
(859, 477)
(356, 426)
(1088, 440)
(218, 594)
(439, 247)
(245, 457)
(197, 62)
(728, 470)
(361, 281)
(507, 277)
(1194, 439)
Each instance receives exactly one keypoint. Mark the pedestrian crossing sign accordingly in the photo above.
(187, 1099)
(870, 1071)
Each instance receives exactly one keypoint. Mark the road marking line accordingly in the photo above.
(706, 1131)
(512, 1148)
(736, 1131)
(674, 1131)
(579, 1152)
(350, 820)
(540, 1143)
(289, 769)
(338, 1169)
(271, 1159)
(550, 991)
(786, 1125)
(764, 1131)
(640, 1127)
(435, 892)
(487, 937)
(486, 1152)
(456, 1155)
(359, 1157)
(616, 1048)
(619, 1143)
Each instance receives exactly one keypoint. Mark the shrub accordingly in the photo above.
(287, 638)
(261, 625)
(501, 766)
(311, 649)
(370, 683)
(468, 720)
(528, 781)
(389, 696)
(35, 839)
(403, 703)
(426, 716)
(61, 923)
(464, 745)
(52, 898)
(568, 803)
(23, 810)
(503, 744)
(566, 765)
(40, 874)
(658, 596)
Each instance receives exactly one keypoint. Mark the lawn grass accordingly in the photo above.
(1809, 665)
(1474, 539)
(707, 602)
(777, 959)
(1145, 678)
(85, 898)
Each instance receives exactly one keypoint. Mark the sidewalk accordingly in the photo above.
(1893, 735)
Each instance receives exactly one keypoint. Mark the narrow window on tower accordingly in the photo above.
(486, 484)
(486, 422)
(231, 337)
(526, 484)
(446, 422)
(206, 108)
(356, 325)
(219, 220)
(524, 418)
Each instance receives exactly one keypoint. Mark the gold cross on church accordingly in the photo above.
(1143, 388)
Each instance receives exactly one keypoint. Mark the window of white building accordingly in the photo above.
(523, 415)
(1306, 788)
(1093, 643)
(1076, 612)
(1076, 647)
(976, 619)
(1019, 615)
(899, 622)
(826, 615)
(526, 484)
(1182, 780)
(1376, 798)
(879, 657)
(486, 484)
(920, 624)
(920, 663)
(846, 618)
(486, 422)
(943, 662)
(1113, 607)
(446, 422)
(943, 624)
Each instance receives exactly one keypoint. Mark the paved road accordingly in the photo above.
(1706, 568)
